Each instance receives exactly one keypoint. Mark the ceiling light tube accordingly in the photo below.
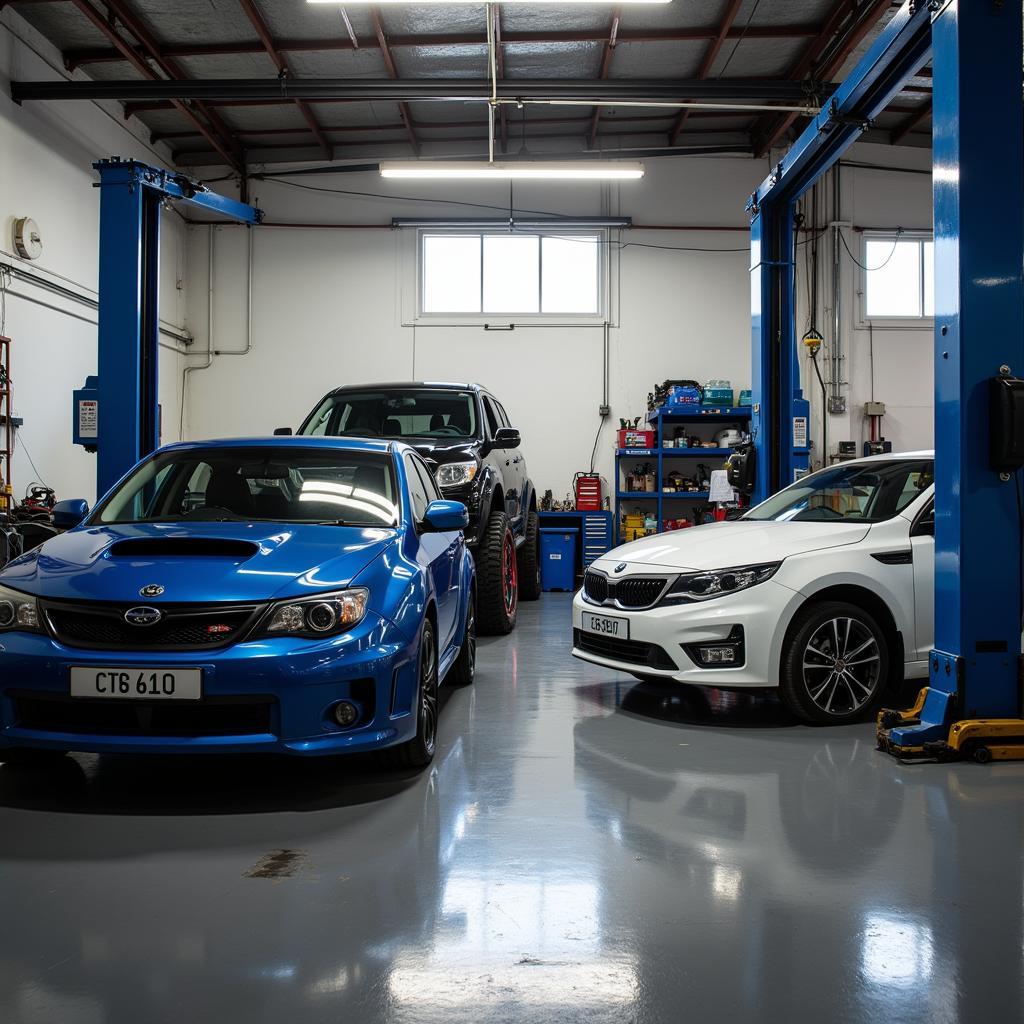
(448, 3)
(540, 170)
(533, 223)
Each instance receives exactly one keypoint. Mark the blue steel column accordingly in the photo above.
(761, 424)
(979, 327)
(122, 334)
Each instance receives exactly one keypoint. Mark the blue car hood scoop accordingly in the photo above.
(196, 562)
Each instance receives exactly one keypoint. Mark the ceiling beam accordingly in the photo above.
(864, 19)
(389, 63)
(263, 31)
(714, 48)
(220, 145)
(80, 56)
(606, 62)
(423, 126)
(909, 123)
(131, 21)
(458, 90)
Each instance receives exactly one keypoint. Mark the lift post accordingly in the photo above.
(132, 195)
(976, 667)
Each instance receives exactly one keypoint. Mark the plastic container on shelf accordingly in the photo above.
(718, 392)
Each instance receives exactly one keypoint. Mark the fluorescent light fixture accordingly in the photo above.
(448, 3)
(504, 223)
(567, 170)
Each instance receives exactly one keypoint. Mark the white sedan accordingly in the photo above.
(825, 591)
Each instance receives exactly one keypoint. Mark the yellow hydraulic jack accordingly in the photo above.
(978, 739)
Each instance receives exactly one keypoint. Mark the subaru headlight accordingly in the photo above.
(703, 586)
(313, 617)
(18, 612)
(456, 474)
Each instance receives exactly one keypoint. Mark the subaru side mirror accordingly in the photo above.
(69, 513)
(445, 516)
(507, 437)
(282, 431)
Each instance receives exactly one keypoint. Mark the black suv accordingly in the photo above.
(465, 436)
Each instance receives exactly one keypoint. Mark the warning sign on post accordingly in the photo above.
(799, 431)
(88, 418)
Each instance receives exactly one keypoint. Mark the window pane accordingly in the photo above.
(571, 268)
(511, 274)
(451, 274)
(893, 277)
(928, 248)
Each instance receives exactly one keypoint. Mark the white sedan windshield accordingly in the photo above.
(852, 492)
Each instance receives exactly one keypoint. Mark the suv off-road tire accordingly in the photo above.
(497, 595)
(528, 556)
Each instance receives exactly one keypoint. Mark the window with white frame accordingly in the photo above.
(521, 273)
(899, 276)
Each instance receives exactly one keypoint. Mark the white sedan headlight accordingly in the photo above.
(456, 474)
(18, 612)
(315, 617)
(703, 586)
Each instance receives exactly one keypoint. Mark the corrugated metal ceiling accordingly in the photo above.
(766, 40)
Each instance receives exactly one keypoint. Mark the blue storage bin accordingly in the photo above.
(558, 559)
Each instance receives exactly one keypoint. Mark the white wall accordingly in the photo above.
(903, 356)
(46, 156)
(328, 308)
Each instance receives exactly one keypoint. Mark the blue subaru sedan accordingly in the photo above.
(298, 595)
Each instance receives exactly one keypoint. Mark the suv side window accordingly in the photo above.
(493, 419)
(417, 491)
(505, 421)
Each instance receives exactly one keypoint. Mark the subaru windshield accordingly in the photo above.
(854, 492)
(280, 484)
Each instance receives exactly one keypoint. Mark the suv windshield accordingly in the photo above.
(863, 493)
(281, 485)
(396, 412)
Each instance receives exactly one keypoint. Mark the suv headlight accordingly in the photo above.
(18, 612)
(324, 615)
(703, 586)
(456, 474)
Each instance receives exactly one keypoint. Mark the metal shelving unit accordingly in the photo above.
(659, 419)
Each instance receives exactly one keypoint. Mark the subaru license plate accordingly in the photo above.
(138, 683)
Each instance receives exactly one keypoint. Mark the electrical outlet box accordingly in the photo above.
(874, 408)
(837, 405)
(604, 410)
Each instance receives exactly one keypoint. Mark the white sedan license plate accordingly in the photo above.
(606, 625)
(138, 683)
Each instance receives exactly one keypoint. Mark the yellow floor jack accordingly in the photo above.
(977, 739)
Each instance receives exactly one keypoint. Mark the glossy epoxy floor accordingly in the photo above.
(585, 849)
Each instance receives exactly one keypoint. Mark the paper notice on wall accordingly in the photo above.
(721, 489)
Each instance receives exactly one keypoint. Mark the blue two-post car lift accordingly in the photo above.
(975, 684)
(117, 415)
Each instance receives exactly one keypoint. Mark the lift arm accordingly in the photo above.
(131, 199)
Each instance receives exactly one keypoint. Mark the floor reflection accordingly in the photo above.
(584, 849)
